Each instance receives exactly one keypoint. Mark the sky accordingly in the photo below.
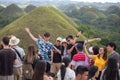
(98, 1)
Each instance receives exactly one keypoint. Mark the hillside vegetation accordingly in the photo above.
(9, 14)
(97, 23)
(40, 20)
(29, 8)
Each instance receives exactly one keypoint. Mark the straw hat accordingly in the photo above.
(14, 40)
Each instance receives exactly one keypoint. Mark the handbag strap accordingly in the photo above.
(18, 54)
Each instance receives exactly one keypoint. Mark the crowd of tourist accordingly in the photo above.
(66, 59)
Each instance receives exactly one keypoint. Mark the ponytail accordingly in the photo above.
(63, 71)
(65, 64)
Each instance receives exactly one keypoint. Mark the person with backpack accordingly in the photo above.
(30, 61)
(80, 58)
(14, 41)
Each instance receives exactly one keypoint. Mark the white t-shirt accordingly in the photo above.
(69, 75)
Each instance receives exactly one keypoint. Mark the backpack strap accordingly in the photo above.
(18, 54)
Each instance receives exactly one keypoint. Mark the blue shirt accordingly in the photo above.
(45, 48)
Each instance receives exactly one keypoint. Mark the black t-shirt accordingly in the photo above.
(57, 56)
(7, 58)
(74, 51)
(62, 50)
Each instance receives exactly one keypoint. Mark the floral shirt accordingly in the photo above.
(45, 48)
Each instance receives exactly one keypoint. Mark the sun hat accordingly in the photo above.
(64, 40)
(14, 40)
(59, 39)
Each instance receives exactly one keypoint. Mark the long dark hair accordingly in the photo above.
(105, 53)
(39, 70)
(112, 70)
(92, 71)
(65, 63)
(30, 54)
(95, 50)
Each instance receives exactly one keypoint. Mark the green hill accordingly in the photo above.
(40, 20)
(12, 10)
(9, 14)
(29, 8)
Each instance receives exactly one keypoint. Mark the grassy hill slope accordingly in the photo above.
(9, 14)
(29, 8)
(40, 20)
(12, 10)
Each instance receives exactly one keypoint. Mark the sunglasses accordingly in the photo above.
(58, 41)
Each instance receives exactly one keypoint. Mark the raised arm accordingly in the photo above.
(57, 50)
(30, 34)
(86, 52)
(71, 49)
(94, 39)
(77, 35)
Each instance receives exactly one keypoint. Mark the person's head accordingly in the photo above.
(95, 50)
(79, 47)
(64, 42)
(103, 51)
(111, 71)
(58, 41)
(70, 39)
(31, 53)
(93, 72)
(50, 75)
(39, 70)
(81, 73)
(65, 63)
(5, 41)
(31, 49)
(14, 41)
(47, 36)
(111, 47)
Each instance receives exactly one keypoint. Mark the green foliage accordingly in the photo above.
(96, 23)
(9, 14)
(105, 34)
(113, 10)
